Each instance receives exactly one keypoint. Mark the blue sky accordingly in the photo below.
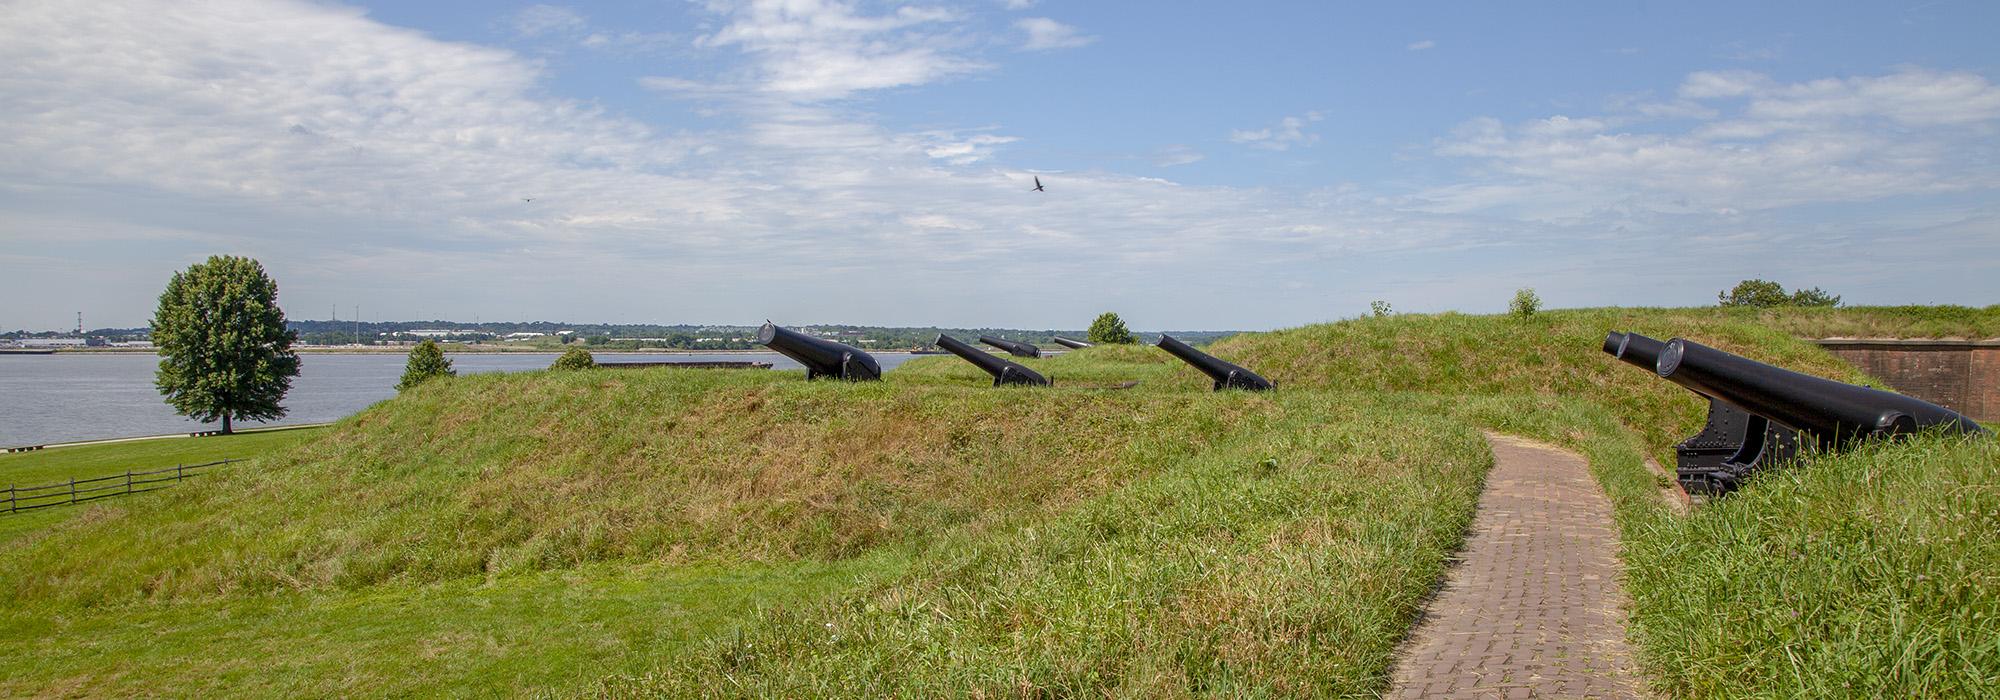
(1208, 166)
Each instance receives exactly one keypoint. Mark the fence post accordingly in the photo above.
(128, 482)
(13, 506)
(72, 490)
(177, 473)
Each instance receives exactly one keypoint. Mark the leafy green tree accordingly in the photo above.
(1814, 297)
(574, 358)
(1764, 294)
(1761, 294)
(1380, 307)
(1525, 302)
(225, 353)
(1109, 329)
(426, 360)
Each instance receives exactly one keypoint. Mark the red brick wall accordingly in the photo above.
(1960, 375)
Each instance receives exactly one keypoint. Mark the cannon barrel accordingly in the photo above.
(1017, 349)
(1226, 375)
(1835, 413)
(1732, 443)
(1634, 349)
(1003, 371)
(822, 357)
(1071, 343)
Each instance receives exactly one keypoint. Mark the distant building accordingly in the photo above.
(56, 342)
(524, 335)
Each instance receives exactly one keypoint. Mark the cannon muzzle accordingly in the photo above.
(1071, 343)
(1016, 349)
(1834, 413)
(1634, 349)
(822, 357)
(1003, 371)
(1226, 375)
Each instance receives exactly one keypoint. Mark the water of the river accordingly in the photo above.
(82, 396)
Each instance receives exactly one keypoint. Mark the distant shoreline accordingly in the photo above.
(449, 350)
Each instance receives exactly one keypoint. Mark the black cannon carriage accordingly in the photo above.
(1732, 443)
(1781, 410)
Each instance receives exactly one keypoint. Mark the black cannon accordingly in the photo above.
(822, 357)
(1071, 343)
(1731, 444)
(1836, 414)
(1016, 349)
(1226, 375)
(1003, 371)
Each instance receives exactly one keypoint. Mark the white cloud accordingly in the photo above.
(1421, 45)
(377, 164)
(1017, 4)
(964, 151)
(543, 20)
(1289, 133)
(1757, 145)
(1045, 34)
(1176, 154)
(366, 163)
(821, 49)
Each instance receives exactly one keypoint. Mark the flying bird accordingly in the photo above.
(527, 199)
(1038, 184)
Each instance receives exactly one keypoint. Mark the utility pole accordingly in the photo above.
(357, 324)
(79, 324)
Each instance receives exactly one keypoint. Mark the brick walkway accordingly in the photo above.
(1533, 607)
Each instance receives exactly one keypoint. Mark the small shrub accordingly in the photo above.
(1525, 302)
(1380, 307)
(1109, 329)
(574, 358)
(426, 360)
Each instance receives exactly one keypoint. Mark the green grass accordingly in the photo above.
(1869, 574)
(393, 553)
(1286, 562)
(696, 533)
(83, 462)
(1860, 575)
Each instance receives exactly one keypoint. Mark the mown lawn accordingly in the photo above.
(87, 461)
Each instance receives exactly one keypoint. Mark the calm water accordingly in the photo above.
(75, 396)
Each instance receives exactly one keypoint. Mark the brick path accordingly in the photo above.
(1533, 607)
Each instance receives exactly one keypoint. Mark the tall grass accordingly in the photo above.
(1861, 575)
(1286, 562)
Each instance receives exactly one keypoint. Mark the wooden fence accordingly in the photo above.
(74, 491)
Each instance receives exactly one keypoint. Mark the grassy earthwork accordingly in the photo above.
(680, 533)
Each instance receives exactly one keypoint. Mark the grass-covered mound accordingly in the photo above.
(1554, 353)
(1283, 563)
(545, 530)
(489, 474)
(1864, 575)
(1879, 321)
